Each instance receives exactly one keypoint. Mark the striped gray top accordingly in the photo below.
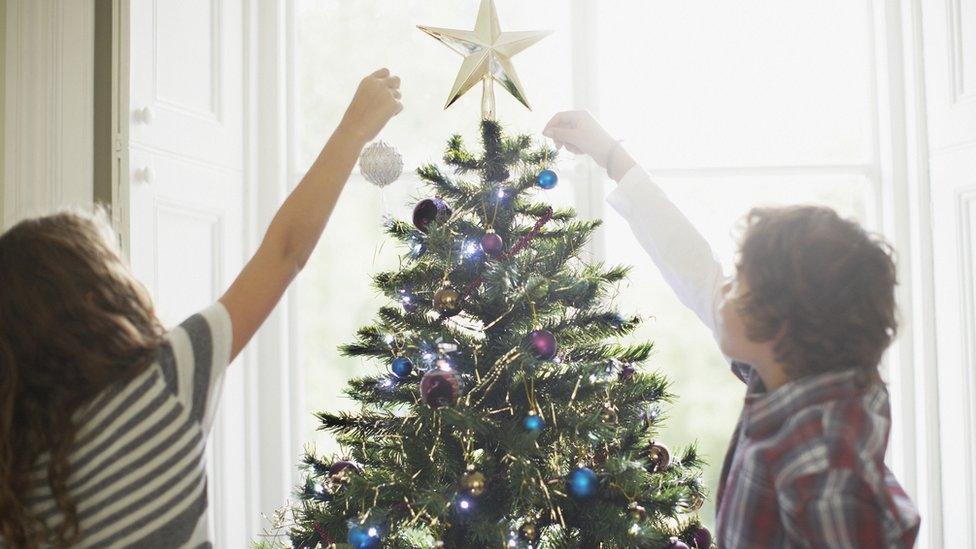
(138, 469)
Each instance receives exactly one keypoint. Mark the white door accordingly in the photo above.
(184, 188)
(950, 64)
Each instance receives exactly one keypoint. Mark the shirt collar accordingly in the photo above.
(766, 412)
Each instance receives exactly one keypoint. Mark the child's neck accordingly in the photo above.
(772, 374)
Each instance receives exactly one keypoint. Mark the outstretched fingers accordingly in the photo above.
(564, 137)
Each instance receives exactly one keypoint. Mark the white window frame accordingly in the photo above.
(274, 389)
(905, 218)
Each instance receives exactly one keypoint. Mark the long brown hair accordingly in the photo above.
(73, 321)
(823, 281)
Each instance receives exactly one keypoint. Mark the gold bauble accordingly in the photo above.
(447, 301)
(473, 482)
(609, 413)
(528, 532)
(658, 457)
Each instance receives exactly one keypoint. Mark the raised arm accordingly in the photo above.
(676, 247)
(296, 228)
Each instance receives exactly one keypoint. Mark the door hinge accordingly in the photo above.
(117, 146)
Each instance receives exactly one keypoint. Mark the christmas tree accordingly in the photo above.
(502, 411)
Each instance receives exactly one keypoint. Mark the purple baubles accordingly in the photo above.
(701, 538)
(492, 244)
(676, 544)
(542, 343)
(627, 372)
(430, 210)
(341, 470)
(439, 388)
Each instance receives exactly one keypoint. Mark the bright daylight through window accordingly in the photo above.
(667, 80)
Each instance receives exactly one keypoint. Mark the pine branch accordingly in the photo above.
(624, 353)
(403, 231)
(458, 156)
(587, 327)
(365, 425)
(443, 185)
(538, 209)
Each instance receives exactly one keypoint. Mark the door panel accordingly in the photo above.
(953, 175)
(186, 56)
(949, 30)
(184, 62)
(185, 183)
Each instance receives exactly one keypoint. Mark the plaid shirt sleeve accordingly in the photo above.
(832, 508)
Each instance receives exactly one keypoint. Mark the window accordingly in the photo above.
(728, 105)
(337, 44)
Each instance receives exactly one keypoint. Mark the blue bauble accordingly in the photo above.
(402, 367)
(363, 537)
(582, 483)
(534, 423)
(547, 179)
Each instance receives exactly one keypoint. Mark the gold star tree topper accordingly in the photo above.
(488, 56)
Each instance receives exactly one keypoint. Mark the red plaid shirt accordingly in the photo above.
(806, 469)
(806, 464)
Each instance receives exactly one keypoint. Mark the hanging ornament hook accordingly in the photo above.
(487, 99)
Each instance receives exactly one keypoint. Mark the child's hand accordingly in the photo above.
(580, 133)
(376, 101)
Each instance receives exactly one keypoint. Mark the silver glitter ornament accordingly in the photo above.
(380, 163)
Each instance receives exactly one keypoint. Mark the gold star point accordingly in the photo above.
(487, 53)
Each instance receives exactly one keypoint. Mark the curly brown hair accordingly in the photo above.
(823, 282)
(73, 321)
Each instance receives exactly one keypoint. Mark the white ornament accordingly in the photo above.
(380, 163)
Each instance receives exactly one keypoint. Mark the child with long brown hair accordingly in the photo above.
(103, 414)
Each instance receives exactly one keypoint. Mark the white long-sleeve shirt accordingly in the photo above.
(681, 253)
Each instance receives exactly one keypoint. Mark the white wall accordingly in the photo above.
(3, 95)
(47, 115)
